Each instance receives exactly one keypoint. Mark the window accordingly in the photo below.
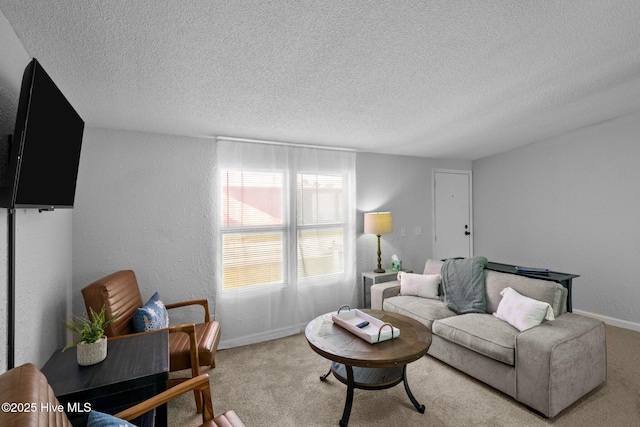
(253, 228)
(284, 238)
(320, 225)
(257, 232)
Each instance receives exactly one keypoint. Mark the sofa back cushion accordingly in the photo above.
(542, 290)
(433, 266)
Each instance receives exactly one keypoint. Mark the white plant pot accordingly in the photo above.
(90, 354)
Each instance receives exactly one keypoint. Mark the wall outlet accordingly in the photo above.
(403, 232)
(418, 231)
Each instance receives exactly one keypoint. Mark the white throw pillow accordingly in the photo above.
(420, 285)
(522, 312)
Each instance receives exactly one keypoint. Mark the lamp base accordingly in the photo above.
(379, 269)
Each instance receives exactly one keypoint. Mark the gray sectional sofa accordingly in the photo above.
(547, 367)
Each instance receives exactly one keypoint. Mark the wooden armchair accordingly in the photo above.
(26, 388)
(199, 383)
(190, 345)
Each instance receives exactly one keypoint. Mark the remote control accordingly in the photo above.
(362, 325)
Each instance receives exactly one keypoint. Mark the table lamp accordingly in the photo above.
(378, 223)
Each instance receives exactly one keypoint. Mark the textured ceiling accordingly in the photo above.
(445, 79)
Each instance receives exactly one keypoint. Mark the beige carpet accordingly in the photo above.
(277, 384)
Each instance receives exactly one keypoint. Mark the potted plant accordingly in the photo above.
(92, 344)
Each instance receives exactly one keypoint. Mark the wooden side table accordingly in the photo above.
(387, 276)
(136, 368)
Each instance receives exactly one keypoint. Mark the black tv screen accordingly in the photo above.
(45, 151)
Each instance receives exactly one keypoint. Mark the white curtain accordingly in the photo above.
(285, 234)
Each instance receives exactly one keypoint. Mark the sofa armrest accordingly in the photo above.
(560, 361)
(380, 291)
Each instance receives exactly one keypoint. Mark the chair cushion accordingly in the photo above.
(482, 333)
(27, 385)
(228, 419)
(152, 316)
(119, 293)
(207, 336)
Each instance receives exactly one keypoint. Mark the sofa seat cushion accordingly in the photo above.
(424, 310)
(482, 333)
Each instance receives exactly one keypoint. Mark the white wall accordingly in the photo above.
(43, 242)
(401, 185)
(144, 202)
(43, 283)
(570, 204)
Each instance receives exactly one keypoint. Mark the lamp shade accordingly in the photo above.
(378, 223)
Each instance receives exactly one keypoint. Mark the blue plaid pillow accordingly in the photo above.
(153, 315)
(99, 419)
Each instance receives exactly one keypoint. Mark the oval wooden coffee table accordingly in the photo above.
(359, 364)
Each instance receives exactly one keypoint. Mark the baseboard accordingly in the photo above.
(256, 338)
(611, 320)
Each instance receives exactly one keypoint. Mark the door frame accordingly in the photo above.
(433, 205)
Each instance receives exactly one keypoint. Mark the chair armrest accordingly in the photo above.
(199, 383)
(203, 302)
(187, 328)
(380, 291)
(194, 354)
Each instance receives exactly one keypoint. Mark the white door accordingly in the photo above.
(453, 234)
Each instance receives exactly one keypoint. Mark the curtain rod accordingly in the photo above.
(289, 144)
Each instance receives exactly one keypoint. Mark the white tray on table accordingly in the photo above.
(376, 331)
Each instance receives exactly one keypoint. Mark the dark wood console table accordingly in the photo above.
(563, 278)
(136, 368)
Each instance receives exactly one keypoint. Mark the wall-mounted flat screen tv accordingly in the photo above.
(45, 151)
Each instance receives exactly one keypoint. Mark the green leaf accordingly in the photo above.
(89, 331)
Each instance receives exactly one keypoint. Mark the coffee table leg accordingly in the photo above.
(418, 406)
(324, 377)
(349, 402)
